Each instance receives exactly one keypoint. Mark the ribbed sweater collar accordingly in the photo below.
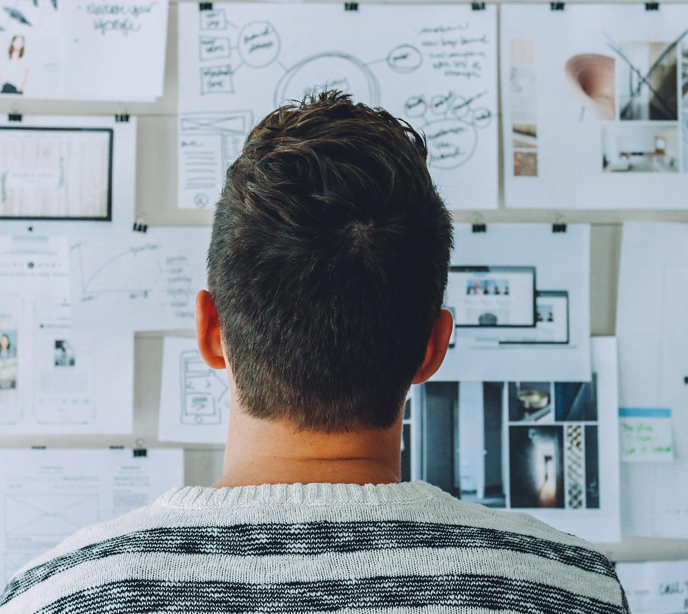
(199, 497)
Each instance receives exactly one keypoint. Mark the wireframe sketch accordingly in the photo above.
(204, 392)
(438, 75)
(53, 516)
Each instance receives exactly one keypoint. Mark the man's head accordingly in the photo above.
(327, 267)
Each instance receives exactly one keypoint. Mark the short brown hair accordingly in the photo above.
(328, 264)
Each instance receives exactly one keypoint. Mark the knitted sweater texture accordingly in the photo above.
(317, 548)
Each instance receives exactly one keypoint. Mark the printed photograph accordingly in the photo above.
(592, 467)
(481, 450)
(544, 312)
(14, 70)
(525, 164)
(591, 78)
(64, 353)
(628, 148)
(576, 401)
(536, 455)
(8, 359)
(648, 80)
(530, 402)
(487, 287)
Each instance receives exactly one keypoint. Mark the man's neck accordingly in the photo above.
(263, 452)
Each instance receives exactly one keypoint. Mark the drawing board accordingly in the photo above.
(433, 66)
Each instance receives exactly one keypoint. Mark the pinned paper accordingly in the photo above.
(658, 587)
(646, 434)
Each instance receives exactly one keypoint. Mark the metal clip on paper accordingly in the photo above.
(140, 224)
(351, 6)
(556, 6)
(478, 6)
(205, 6)
(559, 224)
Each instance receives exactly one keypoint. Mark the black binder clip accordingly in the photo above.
(351, 6)
(140, 224)
(556, 6)
(477, 6)
(685, 381)
(140, 452)
(122, 118)
(559, 224)
(652, 6)
(479, 228)
(205, 6)
(14, 117)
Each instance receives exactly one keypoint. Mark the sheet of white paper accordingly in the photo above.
(73, 50)
(592, 108)
(656, 587)
(54, 379)
(137, 281)
(646, 434)
(432, 65)
(47, 495)
(194, 399)
(549, 449)
(652, 327)
(520, 295)
(86, 169)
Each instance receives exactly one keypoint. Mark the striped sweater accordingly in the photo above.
(317, 548)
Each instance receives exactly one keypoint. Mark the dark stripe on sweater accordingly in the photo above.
(455, 590)
(310, 539)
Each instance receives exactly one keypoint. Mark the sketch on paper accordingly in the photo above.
(48, 495)
(147, 282)
(203, 391)
(194, 399)
(438, 75)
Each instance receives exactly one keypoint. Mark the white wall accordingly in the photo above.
(157, 198)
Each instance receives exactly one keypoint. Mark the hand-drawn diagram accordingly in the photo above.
(456, 58)
(451, 126)
(194, 399)
(149, 283)
(204, 392)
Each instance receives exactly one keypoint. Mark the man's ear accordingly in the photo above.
(208, 334)
(437, 347)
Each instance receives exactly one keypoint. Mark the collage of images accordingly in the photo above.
(638, 92)
(508, 444)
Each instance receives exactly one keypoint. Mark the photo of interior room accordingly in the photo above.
(633, 148)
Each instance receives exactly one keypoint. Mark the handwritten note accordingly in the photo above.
(646, 434)
(655, 588)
